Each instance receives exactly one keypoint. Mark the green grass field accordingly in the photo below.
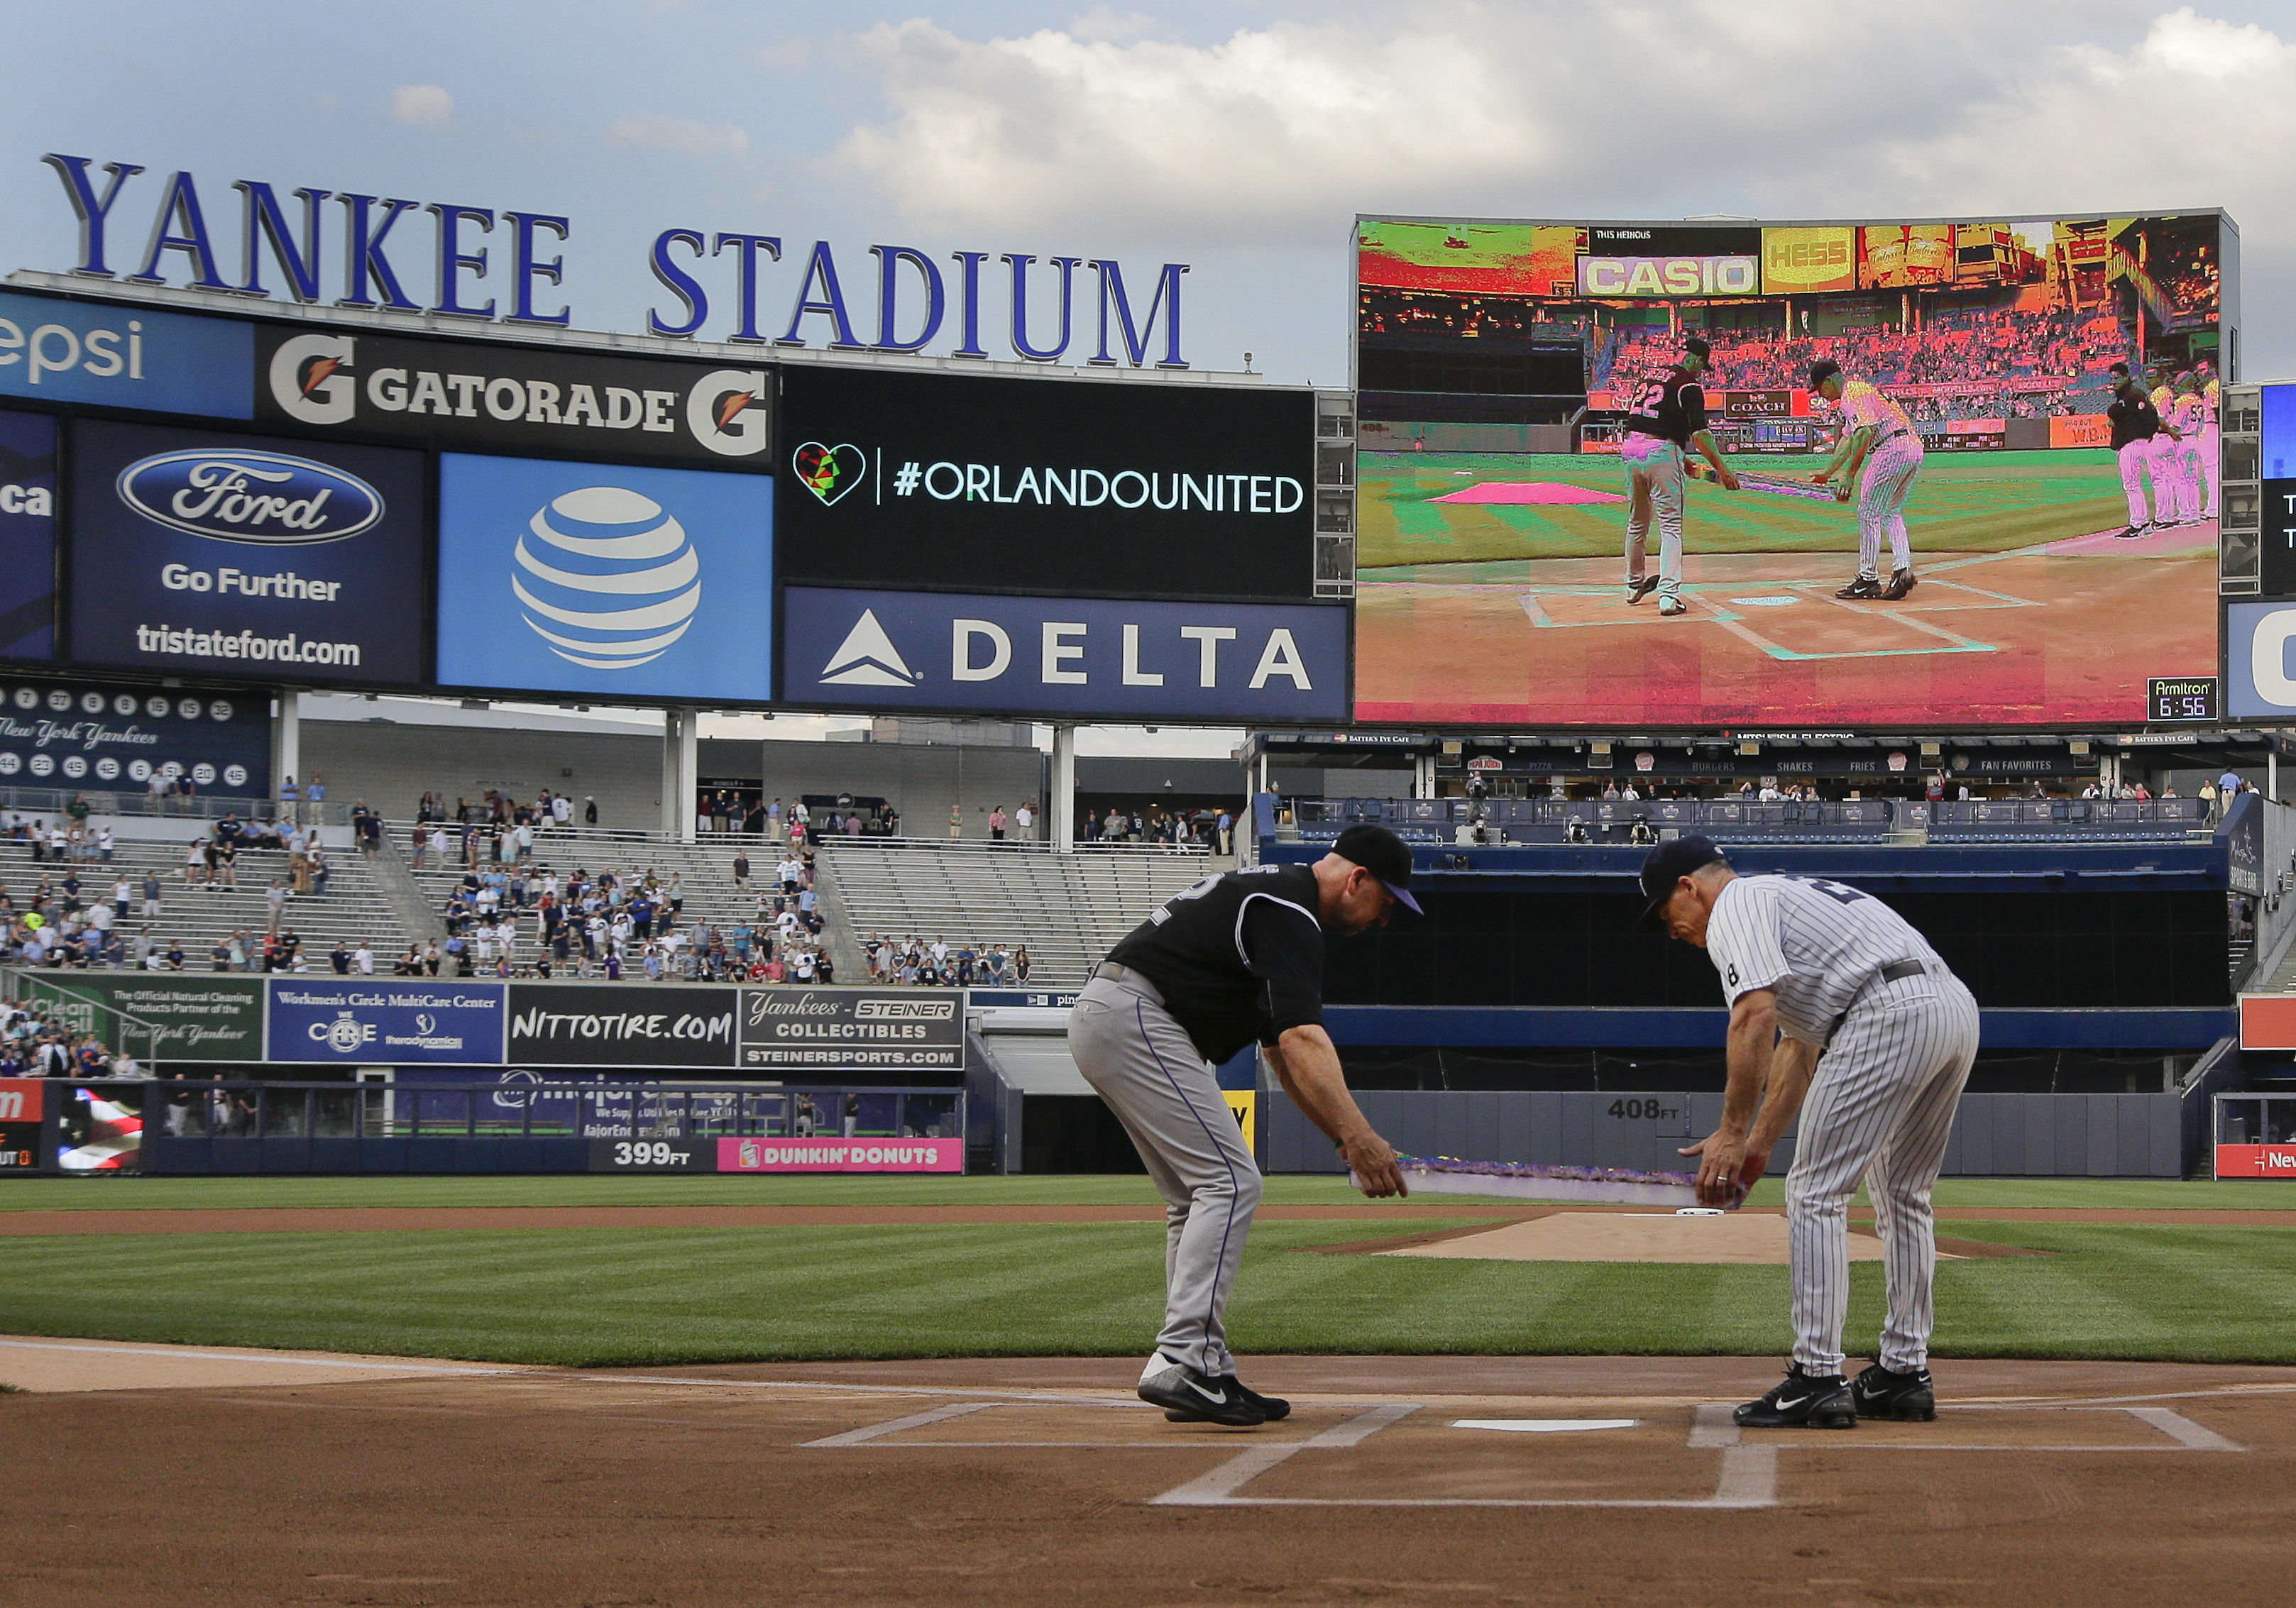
(652, 1296)
(1987, 502)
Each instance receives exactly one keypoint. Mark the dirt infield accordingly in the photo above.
(393, 1220)
(1026, 1481)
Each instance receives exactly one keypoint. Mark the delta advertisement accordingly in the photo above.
(105, 737)
(1950, 530)
(1083, 658)
(27, 536)
(584, 577)
(203, 554)
(373, 1020)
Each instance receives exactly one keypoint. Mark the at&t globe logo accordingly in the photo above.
(607, 577)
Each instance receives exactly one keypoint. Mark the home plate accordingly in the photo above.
(1621, 1237)
(1548, 1426)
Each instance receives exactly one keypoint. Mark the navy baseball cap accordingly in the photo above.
(1665, 865)
(1381, 853)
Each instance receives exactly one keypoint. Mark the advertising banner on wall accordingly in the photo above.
(107, 737)
(496, 395)
(105, 355)
(373, 1020)
(27, 536)
(204, 554)
(622, 1027)
(2260, 670)
(840, 1155)
(885, 1028)
(1082, 657)
(23, 1107)
(195, 1016)
(1100, 487)
(585, 577)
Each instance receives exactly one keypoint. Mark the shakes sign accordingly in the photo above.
(889, 1030)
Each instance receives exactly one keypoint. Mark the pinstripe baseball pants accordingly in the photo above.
(1880, 1107)
(1140, 1061)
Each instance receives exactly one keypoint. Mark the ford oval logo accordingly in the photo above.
(264, 497)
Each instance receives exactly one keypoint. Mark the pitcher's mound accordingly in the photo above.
(1618, 1237)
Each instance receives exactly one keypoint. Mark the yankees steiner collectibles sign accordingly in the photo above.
(907, 1029)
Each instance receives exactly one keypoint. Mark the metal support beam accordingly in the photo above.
(1061, 803)
(287, 739)
(681, 779)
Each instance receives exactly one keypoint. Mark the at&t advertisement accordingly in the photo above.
(586, 577)
(210, 554)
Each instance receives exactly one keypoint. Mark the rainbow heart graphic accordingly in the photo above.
(829, 472)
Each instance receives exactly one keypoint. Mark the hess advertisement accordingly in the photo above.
(1940, 518)
(27, 536)
(216, 555)
(1096, 488)
(494, 395)
(584, 577)
(76, 734)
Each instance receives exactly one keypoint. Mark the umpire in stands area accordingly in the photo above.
(1235, 960)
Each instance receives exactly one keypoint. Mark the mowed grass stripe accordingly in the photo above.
(649, 1297)
(1118, 1189)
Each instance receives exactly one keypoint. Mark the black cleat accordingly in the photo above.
(1188, 1396)
(1879, 1392)
(1671, 607)
(2131, 533)
(1801, 1402)
(1865, 586)
(1900, 583)
(1636, 590)
(1275, 1407)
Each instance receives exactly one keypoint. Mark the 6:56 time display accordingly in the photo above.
(2182, 699)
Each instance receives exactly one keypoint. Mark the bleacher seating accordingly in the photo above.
(354, 907)
(1068, 909)
(1433, 823)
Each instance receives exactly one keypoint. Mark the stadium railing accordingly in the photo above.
(1436, 822)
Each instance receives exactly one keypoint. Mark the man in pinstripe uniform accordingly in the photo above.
(1232, 961)
(1840, 1011)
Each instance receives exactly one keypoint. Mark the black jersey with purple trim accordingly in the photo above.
(1669, 404)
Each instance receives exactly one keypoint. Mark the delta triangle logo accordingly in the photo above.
(867, 658)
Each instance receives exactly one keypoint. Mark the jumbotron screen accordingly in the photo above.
(1943, 533)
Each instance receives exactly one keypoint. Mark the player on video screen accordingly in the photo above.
(1877, 436)
(1669, 415)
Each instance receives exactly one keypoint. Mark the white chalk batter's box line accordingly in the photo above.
(1747, 1478)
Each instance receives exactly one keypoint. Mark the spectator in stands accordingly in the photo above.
(997, 820)
(1020, 963)
(316, 795)
(589, 810)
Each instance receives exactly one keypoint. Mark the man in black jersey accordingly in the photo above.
(2136, 420)
(1234, 960)
(1666, 414)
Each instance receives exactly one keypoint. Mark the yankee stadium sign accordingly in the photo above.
(490, 263)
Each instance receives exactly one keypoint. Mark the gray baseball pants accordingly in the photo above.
(1140, 1061)
(1880, 1107)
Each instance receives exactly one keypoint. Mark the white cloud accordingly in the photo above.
(679, 136)
(422, 105)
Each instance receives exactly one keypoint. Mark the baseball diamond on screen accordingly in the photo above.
(1690, 475)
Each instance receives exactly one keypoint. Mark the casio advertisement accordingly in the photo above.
(1105, 488)
(589, 578)
(27, 536)
(202, 553)
(490, 395)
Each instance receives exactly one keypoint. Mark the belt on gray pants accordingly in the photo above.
(1108, 971)
(1895, 971)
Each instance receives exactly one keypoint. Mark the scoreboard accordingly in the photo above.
(2183, 701)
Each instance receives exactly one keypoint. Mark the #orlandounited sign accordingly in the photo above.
(822, 1029)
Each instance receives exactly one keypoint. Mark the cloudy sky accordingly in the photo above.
(1237, 138)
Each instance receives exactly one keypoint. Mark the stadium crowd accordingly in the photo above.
(914, 963)
(35, 1044)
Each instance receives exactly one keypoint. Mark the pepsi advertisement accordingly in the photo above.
(1064, 657)
(27, 536)
(1093, 488)
(586, 577)
(201, 553)
(383, 1022)
(110, 355)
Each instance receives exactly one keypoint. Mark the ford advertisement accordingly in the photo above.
(210, 554)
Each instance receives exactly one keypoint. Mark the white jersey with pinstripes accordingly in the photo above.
(1817, 943)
